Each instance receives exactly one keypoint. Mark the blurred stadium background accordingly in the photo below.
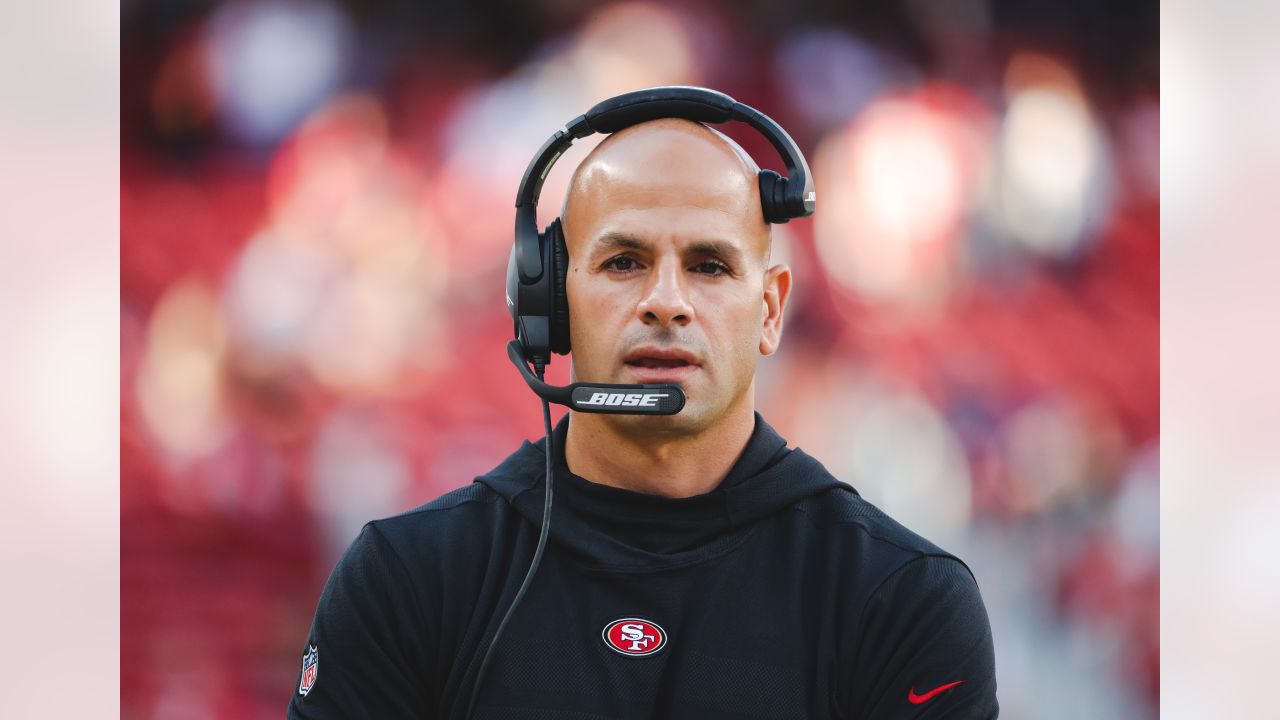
(316, 210)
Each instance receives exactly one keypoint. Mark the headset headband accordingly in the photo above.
(782, 198)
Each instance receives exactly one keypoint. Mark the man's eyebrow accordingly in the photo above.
(722, 248)
(622, 241)
(618, 241)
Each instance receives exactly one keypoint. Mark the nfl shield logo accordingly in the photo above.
(310, 667)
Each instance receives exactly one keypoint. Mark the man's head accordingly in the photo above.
(669, 277)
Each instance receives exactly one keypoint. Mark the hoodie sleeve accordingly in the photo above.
(365, 656)
(925, 649)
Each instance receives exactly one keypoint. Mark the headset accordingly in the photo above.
(538, 266)
(539, 262)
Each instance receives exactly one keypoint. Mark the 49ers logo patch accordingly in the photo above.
(634, 637)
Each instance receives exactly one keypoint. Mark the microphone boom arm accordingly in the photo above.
(647, 399)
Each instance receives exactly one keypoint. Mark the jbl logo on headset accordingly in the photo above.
(624, 399)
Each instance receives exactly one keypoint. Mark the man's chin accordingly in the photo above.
(686, 422)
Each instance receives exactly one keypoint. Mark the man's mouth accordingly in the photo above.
(657, 364)
(660, 357)
(652, 362)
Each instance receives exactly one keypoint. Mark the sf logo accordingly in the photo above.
(635, 634)
(634, 637)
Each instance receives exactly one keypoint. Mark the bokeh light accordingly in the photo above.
(347, 277)
(272, 62)
(897, 183)
(627, 46)
(909, 462)
(828, 74)
(1050, 179)
(180, 383)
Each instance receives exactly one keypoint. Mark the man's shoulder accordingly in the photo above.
(890, 568)
(843, 508)
(876, 538)
(460, 526)
(466, 501)
(448, 521)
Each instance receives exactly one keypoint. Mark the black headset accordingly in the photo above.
(539, 261)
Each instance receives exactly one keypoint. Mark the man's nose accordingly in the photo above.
(666, 299)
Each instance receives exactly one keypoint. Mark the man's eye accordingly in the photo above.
(711, 267)
(621, 263)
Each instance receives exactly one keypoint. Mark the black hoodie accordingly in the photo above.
(779, 594)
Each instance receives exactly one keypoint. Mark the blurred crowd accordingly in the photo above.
(316, 208)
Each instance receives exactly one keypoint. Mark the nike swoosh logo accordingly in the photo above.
(918, 699)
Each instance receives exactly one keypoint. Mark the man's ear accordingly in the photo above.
(777, 288)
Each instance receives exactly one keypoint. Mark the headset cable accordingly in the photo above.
(537, 553)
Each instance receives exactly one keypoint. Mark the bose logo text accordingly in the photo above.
(626, 399)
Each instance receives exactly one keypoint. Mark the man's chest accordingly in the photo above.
(743, 637)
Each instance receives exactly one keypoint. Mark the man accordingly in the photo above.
(697, 567)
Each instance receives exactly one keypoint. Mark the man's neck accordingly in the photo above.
(674, 467)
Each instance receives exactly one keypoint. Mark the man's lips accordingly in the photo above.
(660, 365)
(650, 356)
(651, 362)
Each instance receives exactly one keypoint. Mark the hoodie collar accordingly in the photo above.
(764, 448)
(614, 529)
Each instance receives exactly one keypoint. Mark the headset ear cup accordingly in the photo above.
(773, 193)
(559, 297)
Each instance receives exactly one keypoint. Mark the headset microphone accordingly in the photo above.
(647, 399)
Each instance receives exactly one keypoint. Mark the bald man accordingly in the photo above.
(697, 566)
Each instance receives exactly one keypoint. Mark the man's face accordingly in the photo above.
(668, 278)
